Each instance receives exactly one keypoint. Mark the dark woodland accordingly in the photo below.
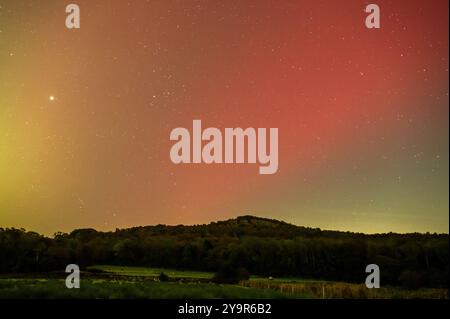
(255, 245)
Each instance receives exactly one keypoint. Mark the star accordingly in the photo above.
(51, 98)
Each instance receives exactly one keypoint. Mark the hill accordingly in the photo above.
(260, 246)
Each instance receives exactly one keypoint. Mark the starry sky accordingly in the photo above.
(85, 115)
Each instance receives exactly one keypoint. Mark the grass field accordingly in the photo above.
(104, 281)
(343, 290)
(183, 274)
(151, 272)
(111, 289)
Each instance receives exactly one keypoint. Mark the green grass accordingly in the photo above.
(122, 289)
(187, 274)
(105, 282)
(151, 272)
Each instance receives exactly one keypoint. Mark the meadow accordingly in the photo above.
(124, 289)
(150, 272)
(111, 282)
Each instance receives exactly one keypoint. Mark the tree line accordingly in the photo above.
(255, 245)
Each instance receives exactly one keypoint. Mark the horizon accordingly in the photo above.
(52, 235)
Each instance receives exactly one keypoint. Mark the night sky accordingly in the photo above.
(85, 115)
